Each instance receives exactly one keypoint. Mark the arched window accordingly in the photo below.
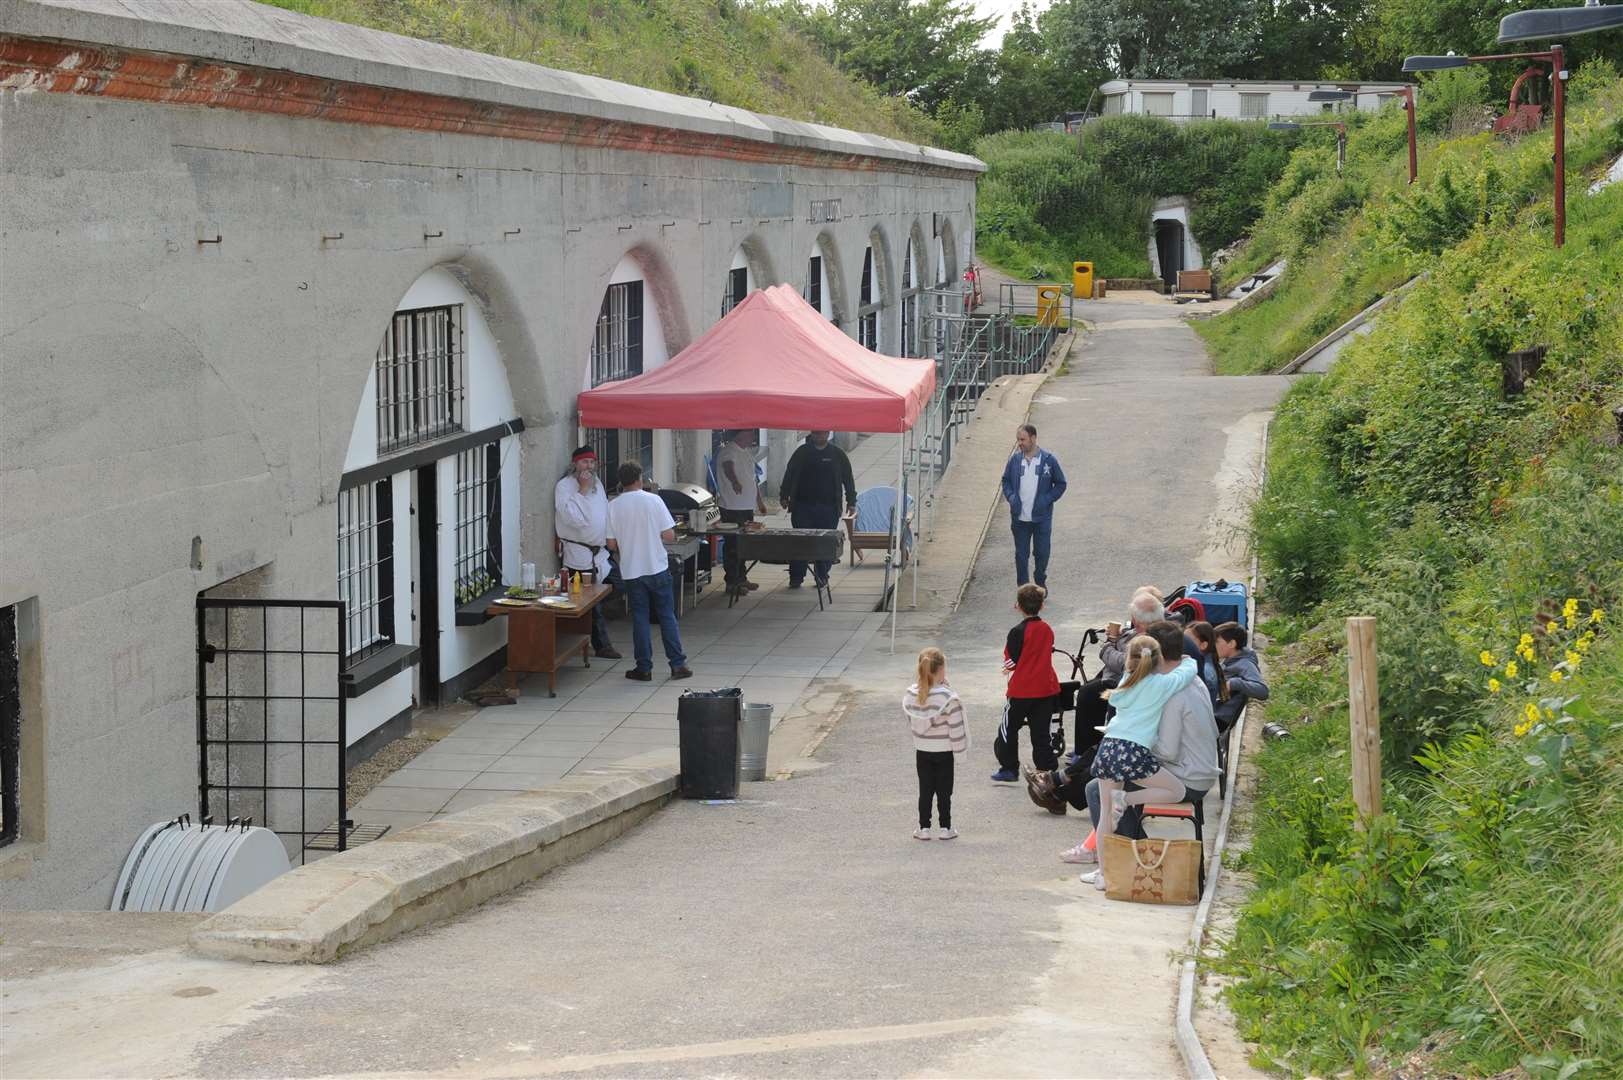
(617, 354)
(910, 302)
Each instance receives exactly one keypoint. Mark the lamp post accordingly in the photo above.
(1408, 107)
(1555, 56)
(1341, 135)
(1559, 22)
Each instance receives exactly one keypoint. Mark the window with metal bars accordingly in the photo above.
(421, 378)
(477, 496)
(738, 287)
(814, 282)
(366, 566)
(617, 354)
(868, 309)
(11, 725)
(910, 305)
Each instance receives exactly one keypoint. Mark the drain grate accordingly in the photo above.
(327, 839)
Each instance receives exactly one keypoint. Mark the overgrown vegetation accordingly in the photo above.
(1353, 237)
(1479, 916)
(1048, 199)
(721, 50)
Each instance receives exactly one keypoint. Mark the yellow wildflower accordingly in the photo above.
(1570, 608)
(1525, 652)
(1597, 616)
(1527, 639)
(1573, 659)
(1510, 670)
(1556, 675)
(1531, 712)
(1552, 626)
(1549, 714)
(1572, 621)
(1582, 644)
(1493, 686)
(1523, 728)
(1487, 659)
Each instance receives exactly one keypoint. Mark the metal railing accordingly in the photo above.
(972, 350)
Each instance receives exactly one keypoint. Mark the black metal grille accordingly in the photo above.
(420, 378)
(910, 305)
(477, 496)
(814, 282)
(868, 308)
(366, 565)
(11, 725)
(616, 355)
(271, 728)
(738, 287)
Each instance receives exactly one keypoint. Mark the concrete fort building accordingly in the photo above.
(1236, 99)
(297, 311)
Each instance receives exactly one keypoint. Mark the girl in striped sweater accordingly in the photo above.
(936, 718)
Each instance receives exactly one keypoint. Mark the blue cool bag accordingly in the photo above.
(1224, 601)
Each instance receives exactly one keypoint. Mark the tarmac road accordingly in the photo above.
(802, 931)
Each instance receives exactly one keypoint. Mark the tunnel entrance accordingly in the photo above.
(1169, 249)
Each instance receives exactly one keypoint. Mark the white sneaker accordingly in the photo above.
(1096, 878)
(1079, 854)
(947, 834)
(921, 834)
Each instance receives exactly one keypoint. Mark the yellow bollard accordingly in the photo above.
(1048, 305)
(1082, 280)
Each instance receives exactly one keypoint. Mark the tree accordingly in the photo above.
(1157, 39)
(918, 49)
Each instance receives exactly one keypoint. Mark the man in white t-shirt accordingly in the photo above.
(740, 498)
(581, 520)
(639, 527)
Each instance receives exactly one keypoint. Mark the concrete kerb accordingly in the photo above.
(1184, 1033)
(319, 912)
(1351, 325)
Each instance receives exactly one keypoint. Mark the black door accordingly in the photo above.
(427, 584)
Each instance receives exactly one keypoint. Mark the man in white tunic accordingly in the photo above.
(582, 521)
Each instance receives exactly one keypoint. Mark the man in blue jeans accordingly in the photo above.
(1032, 483)
(639, 527)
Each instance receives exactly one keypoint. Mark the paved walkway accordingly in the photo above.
(773, 644)
(801, 931)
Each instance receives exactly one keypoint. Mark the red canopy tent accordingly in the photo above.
(775, 362)
(772, 362)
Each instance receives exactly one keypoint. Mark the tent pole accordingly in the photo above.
(895, 532)
(918, 496)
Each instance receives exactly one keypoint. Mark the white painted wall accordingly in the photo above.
(489, 401)
(1284, 98)
(1174, 210)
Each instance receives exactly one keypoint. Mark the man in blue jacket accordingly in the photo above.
(1032, 483)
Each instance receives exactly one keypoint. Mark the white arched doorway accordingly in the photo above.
(428, 505)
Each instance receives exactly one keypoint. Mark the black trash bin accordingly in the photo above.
(707, 730)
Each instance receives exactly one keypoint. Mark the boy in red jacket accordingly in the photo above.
(1033, 686)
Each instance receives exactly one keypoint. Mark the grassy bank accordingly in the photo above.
(1354, 237)
(1476, 924)
(1048, 199)
(726, 52)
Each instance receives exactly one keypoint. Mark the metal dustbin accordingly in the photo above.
(753, 735)
(707, 723)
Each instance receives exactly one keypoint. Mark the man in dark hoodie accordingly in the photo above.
(1244, 675)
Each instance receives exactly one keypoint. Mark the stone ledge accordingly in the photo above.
(319, 912)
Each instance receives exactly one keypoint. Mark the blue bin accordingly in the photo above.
(1224, 601)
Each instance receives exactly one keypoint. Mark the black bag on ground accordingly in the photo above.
(707, 734)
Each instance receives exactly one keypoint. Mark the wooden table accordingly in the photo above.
(540, 637)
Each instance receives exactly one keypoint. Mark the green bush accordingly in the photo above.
(1479, 914)
(1048, 199)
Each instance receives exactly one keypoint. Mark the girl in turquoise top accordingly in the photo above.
(1124, 752)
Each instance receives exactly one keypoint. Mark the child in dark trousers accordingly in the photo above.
(1033, 686)
(936, 718)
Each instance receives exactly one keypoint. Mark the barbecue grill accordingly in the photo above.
(792, 545)
(681, 498)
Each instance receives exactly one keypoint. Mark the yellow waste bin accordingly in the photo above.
(1082, 280)
(1048, 305)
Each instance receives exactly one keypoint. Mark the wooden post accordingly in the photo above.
(1364, 706)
